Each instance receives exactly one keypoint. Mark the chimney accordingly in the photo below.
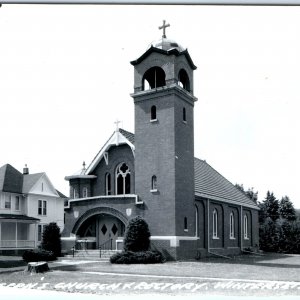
(25, 170)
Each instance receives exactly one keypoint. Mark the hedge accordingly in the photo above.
(142, 257)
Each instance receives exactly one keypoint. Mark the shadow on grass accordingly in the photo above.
(267, 260)
(12, 263)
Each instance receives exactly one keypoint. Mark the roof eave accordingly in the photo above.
(166, 52)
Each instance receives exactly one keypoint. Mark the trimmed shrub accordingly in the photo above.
(38, 255)
(137, 236)
(51, 239)
(142, 257)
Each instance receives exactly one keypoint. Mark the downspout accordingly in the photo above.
(208, 237)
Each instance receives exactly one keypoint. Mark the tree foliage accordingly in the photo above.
(137, 236)
(51, 239)
(269, 208)
(286, 209)
(278, 231)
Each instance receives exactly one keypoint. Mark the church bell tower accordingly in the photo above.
(164, 139)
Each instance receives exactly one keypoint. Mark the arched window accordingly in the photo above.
(183, 80)
(154, 77)
(153, 113)
(84, 192)
(184, 114)
(231, 226)
(122, 179)
(107, 184)
(245, 227)
(154, 183)
(75, 194)
(185, 224)
(215, 224)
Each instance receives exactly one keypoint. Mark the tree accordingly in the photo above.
(269, 235)
(137, 236)
(249, 193)
(51, 239)
(286, 209)
(271, 206)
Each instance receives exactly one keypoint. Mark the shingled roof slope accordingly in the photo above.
(11, 180)
(211, 184)
(129, 136)
(30, 180)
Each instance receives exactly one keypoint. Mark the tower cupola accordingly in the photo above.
(164, 64)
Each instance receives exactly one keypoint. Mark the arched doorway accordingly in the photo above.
(99, 229)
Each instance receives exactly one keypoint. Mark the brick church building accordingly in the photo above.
(191, 209)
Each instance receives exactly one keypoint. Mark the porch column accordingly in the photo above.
(0, 235)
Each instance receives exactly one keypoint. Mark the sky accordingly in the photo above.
(66, 77)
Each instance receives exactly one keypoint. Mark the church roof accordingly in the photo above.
(119, 137)
(128, 135)
(211, 184)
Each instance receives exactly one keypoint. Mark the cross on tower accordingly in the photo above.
(163, 27)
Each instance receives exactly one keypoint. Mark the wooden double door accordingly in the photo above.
(108, 230)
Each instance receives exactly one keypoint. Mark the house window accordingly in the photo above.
(154, 183)
(7, 204)
(84, 192)
(42, 207)
(245, 227)
(122, 179)
(107, 184)
(153, 113)
(184, 114)
(17, 203)
(215, 224)
(40, 232)
(185, 224)
(231, 226)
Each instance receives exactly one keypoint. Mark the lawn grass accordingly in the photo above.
(63, 277)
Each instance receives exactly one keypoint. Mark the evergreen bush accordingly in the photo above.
(136, 245)
(137, 236)
(51, 239)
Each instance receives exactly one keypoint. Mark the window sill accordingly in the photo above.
(185, 230)
(184, 122)
(232, 238)
(154, 191)
(153, 121)
(215, 238)
(246, 238)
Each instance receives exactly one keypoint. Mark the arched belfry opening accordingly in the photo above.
(183, 80)
(153, 78)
